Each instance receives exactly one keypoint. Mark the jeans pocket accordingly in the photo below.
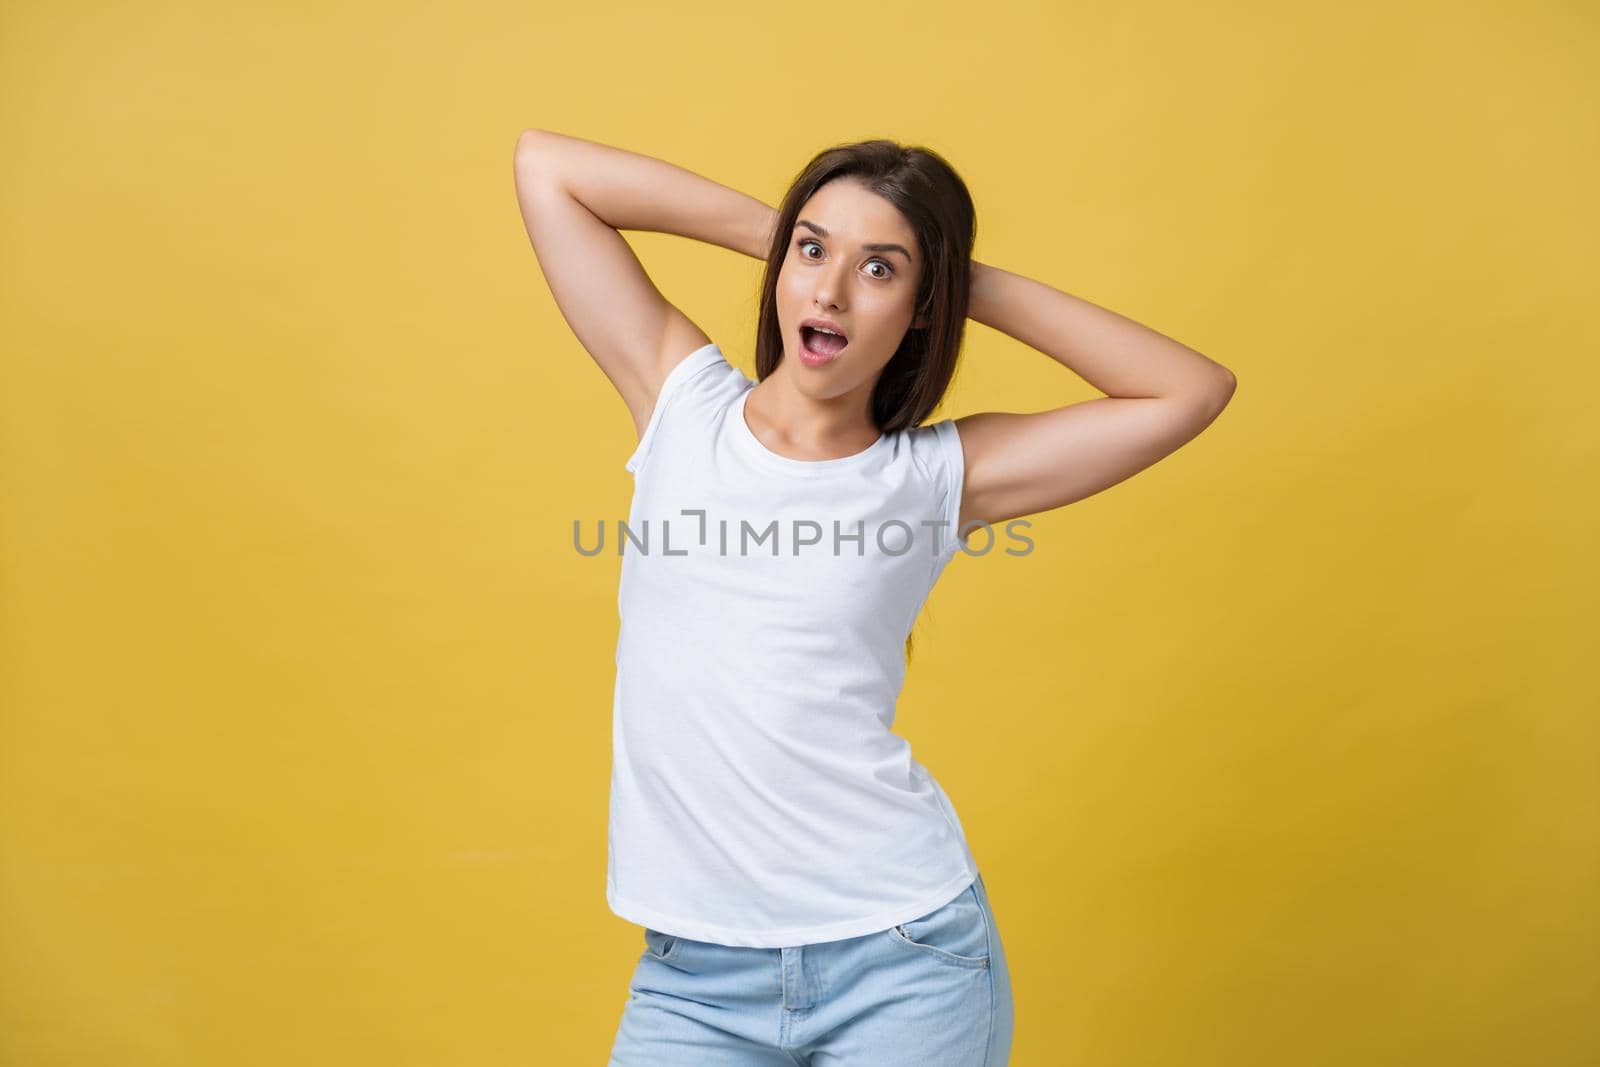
(660, 946)
(956, 933)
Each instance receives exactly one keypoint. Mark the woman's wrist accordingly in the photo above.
(759, 241)
(980, 294)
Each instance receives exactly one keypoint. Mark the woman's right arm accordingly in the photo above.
(575, 196)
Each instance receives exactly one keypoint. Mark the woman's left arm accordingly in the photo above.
(1159, 395)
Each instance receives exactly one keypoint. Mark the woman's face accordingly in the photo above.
(853, 261)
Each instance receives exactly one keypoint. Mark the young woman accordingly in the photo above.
(805, 887)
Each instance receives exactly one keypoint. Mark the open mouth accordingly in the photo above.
(820, 343)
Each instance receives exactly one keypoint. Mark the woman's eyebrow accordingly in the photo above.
(820, 232)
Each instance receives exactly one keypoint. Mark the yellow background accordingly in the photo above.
(1280, 753)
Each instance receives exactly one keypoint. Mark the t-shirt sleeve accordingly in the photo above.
(674, 384)
(954, 468)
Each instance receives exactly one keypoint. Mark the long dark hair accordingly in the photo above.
(935, 201)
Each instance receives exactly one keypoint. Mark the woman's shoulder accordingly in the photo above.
(932, 446)
(702, 381)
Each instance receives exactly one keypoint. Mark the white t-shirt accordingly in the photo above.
(758, 794)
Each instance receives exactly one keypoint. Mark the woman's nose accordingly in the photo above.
(829, 287)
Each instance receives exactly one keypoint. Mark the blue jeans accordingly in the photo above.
(932, 992)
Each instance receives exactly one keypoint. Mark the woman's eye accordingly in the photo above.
(806, 242)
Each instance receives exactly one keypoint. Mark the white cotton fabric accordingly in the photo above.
(758, 794)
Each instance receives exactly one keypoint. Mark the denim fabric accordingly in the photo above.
(931, 992)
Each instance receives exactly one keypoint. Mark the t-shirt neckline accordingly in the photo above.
(772, 459)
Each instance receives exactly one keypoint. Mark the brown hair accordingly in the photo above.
(934, 200)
